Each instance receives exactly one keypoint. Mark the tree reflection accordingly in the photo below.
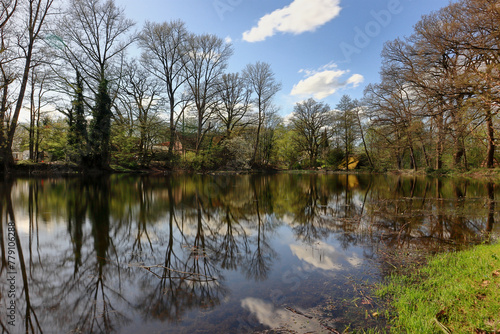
(188, 277)
(261, 257)
(102, 252)
(491, 207)
(231, 249)
(14, 264)
(77, 208)
(428, 212)
(310, 221)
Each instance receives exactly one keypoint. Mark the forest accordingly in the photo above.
(93, 106)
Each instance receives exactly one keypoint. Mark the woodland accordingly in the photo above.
(93, 106)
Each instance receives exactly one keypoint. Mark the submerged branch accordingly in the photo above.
(148, 268)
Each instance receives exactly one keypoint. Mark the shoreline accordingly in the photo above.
(67, 169)
(423, 301)
(61, 169)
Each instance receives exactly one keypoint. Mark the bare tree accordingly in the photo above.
(394, 105)
(234, 96)
(477, 39)
(346, 121)
(95, 34)
(142, 99)
(261, 79)
(358, 113)
(205, 59)
(32, 18)
(163, 46)
(38, 100)
(309, 120)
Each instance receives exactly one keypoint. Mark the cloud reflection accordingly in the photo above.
(281, 319)
(324, 256)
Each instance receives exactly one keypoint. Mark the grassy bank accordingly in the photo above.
(454, 293)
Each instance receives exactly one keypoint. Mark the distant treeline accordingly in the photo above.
(174, 105)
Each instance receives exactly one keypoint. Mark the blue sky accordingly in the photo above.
(316, 48)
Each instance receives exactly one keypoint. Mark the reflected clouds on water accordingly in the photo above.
(184, 252)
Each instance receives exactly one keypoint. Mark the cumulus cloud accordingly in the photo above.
(324, 82)
(355, 80)
(298, 17)
(228, 39)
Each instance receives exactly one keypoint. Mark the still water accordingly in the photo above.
(222, 253)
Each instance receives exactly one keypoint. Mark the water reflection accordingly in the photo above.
(114, 254)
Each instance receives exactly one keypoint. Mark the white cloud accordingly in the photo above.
(355, 80)
(298, 17)
(325, 82)
(228, 40)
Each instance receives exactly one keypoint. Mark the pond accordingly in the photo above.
(293, 253)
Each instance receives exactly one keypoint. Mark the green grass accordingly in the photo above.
(454, 293)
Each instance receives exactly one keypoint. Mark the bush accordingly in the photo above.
(296, 166)
(364, 162)
(168, 159)
(335, 157)
(238, 153)
(232, 154)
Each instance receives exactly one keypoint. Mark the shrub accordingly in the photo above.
(335, 157)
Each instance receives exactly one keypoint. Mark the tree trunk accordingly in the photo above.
(412, 152)
(259, 125)
(172, 126)
(459, 152)
(363, 140)
(490, 153)
(439, 141)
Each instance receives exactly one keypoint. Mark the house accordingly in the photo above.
(163, 147)
(17, 156)
(25, 155)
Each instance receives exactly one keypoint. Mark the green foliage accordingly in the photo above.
(168, 160)
(231, 154)
(363, 161)
(210, 159)
(54, 138)
(124, 148)
(287, 152)
(238, 153)
(77, 132)
(100, 129)
(460, 291)
(334, 157)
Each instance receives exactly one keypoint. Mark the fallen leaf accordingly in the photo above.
(485, 283)
(496, 273)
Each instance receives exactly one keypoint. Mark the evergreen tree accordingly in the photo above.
(100, 128)
(77, 137)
